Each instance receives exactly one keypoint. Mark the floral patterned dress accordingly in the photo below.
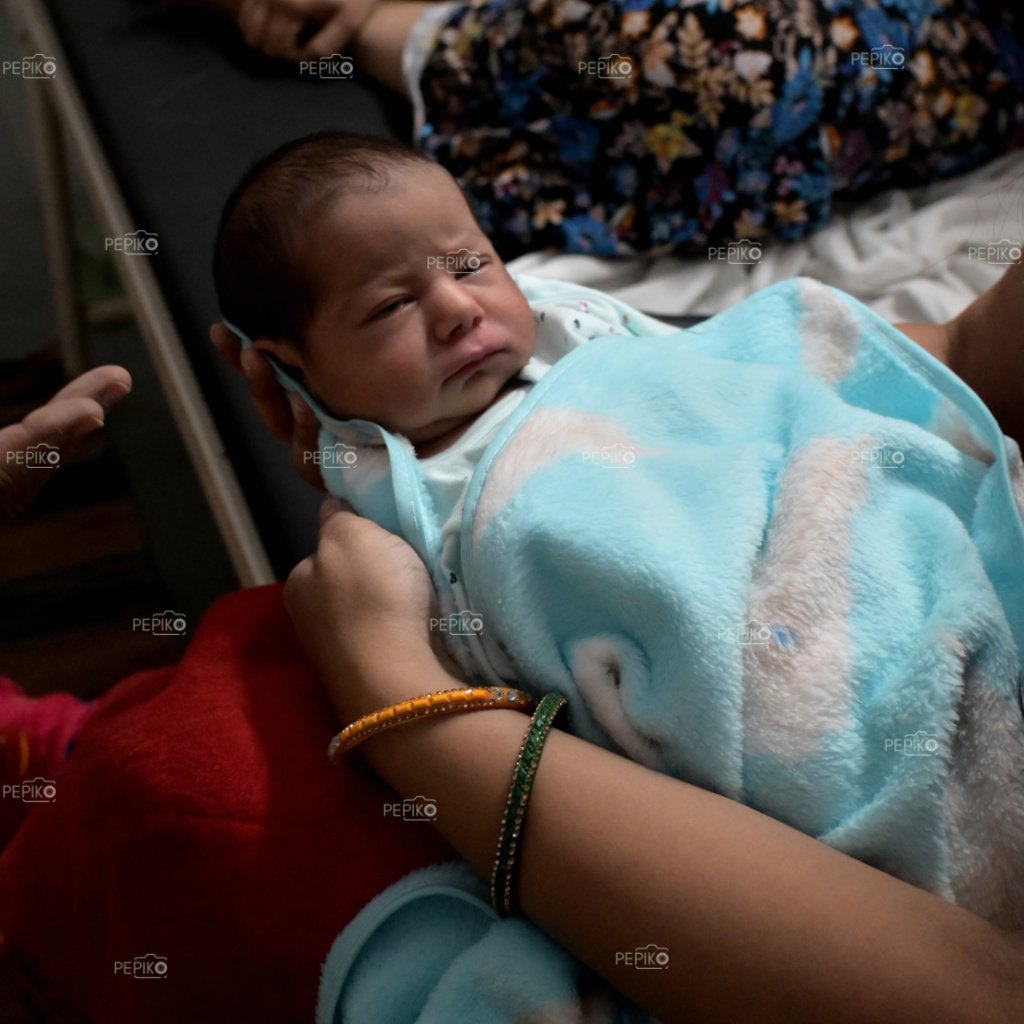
(618, 127)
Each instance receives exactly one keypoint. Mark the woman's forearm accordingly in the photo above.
(760, 922)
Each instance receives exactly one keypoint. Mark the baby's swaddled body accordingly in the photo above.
(778, 556)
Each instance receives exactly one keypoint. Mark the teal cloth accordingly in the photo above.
(779, 556)
(430, 950)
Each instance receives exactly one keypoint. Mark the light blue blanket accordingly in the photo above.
(779, 556)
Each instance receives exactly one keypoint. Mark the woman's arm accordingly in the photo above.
(761, 922)
(984, 346)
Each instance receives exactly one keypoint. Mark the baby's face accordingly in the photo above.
(396, 336)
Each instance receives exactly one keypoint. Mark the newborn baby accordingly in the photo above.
(777, 555)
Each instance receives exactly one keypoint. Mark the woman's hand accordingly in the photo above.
(301, 29)
(56, 433)
(361, 606)
(286, 417)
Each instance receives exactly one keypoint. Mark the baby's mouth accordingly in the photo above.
(473, 361)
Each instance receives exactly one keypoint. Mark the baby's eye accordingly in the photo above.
(387, 310)
(475, 267)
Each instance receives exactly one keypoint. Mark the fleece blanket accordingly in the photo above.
(779, 555)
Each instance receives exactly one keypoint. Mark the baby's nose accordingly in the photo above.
(457, 313)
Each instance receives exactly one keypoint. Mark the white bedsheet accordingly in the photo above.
(905, 253)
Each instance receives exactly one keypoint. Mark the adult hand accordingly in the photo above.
(361, 606)
(34, 449)
(276, 27)
(339, 23)
(287, 417)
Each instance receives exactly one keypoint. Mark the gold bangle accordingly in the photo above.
(451, 702)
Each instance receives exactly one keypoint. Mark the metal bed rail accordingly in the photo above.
(58, 116)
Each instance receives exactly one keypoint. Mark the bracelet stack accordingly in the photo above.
(503, 876)
(452, 702)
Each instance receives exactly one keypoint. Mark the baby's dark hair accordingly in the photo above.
(263, 284)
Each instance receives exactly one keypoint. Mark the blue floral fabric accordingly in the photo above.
(618, 127)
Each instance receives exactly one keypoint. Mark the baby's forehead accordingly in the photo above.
(365, 232)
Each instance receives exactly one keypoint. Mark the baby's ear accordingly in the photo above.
(285, 352)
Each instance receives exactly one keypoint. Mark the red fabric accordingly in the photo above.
(199, 820)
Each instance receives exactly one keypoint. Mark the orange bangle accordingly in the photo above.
(450, 702)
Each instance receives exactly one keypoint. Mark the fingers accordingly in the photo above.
(280, 36)
(252, 16)
(332, 37)
(272, 26)
(105, 385)
(333, 506)
(34, 449)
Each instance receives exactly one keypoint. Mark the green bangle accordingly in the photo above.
(503, 874)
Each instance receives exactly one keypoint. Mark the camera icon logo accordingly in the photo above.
(459, 261)
(168, 623)
(888, 56)
(135, 243)
(999, 254)
(414, 808)
(742, 252)
(612, 456)
(419, 808)
(33, 791)
(463, 623)
(614, 66)
(149, 967)
(651, 957)
(38, 66)
(335, 65)
(42, 456)
(338, 456)
(880, 456)
(917, 744)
